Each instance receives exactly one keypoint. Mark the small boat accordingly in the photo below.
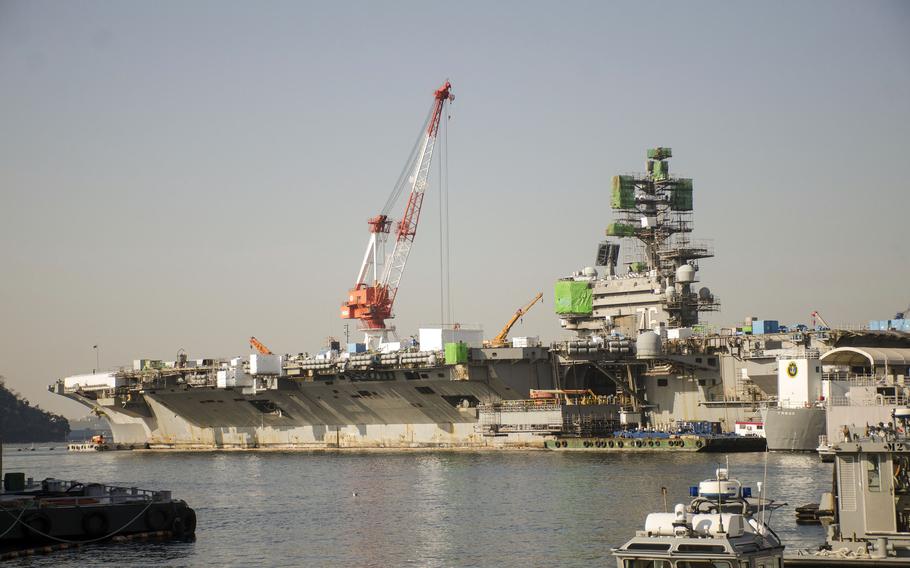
(723, 526)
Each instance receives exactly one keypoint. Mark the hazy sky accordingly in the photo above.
(186, 174)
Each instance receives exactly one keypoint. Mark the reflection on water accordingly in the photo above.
(421, 509)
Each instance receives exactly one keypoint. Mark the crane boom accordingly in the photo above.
(371, 301)
(500, 339)
(815, 314)
(258, 346)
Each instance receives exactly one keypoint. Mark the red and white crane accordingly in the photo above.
(373, 295)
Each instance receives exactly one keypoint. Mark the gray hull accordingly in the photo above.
(794, 429)
(405, 409)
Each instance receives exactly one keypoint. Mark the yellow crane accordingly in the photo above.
(500, 340)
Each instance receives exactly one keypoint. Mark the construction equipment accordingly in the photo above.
(258, 346)
(820, 319)
(903, 313)
(500, 340)
(373, 295)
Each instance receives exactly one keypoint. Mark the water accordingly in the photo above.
(413, 508)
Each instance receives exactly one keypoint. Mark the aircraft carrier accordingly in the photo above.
(641, 358)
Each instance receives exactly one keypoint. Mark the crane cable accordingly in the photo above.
(408, 166)
(449, 263)
(442, 244)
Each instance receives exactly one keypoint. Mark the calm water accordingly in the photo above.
(412, 509)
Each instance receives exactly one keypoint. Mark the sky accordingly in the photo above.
(182, 175)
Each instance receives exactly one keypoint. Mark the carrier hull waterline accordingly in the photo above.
(336, 412)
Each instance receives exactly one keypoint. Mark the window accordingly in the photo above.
(661, 382)
(642, 563)
(425, 390)
(698, 359)
(702, 382)
(702, 564)
(712, 361)
(873, 475)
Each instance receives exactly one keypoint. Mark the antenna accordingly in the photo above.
(720, 505)
(761, 492)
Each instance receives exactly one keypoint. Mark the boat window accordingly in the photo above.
(702, 564)
(873, 475)
(701, 548)
(643, 563)
(648, 546)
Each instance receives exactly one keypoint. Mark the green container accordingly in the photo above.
(660, 153)
(623, 192)
(456, 353)
(660, 171)
(573, 297)
(681, 195)
(620, 230)
(14, 481)
(638, 267)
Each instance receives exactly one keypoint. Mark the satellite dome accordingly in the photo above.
(704, 294)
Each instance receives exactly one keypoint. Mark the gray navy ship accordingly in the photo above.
(640, 358)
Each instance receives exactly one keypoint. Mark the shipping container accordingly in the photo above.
(526, 341)
(765, 326)
(357, 348)
(456, 353)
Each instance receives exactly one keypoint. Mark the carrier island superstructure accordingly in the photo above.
(639, 356)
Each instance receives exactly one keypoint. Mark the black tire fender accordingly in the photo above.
(37, 525)
(189, 521)
(158, 518)
(95, 523)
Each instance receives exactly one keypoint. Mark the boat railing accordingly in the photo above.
(793, 404)
(857, 379)
(58, 492)
(799, 354)
(876, 400)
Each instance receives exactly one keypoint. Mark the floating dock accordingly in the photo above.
(52, 514)
(672, 444)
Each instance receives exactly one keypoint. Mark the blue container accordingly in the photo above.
(874, 325)
(357, 348)
(765, 326)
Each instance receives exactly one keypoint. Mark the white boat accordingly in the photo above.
(722, 527)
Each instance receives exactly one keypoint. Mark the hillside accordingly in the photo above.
(20, 422)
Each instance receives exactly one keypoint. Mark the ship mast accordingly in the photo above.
(656, 210)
